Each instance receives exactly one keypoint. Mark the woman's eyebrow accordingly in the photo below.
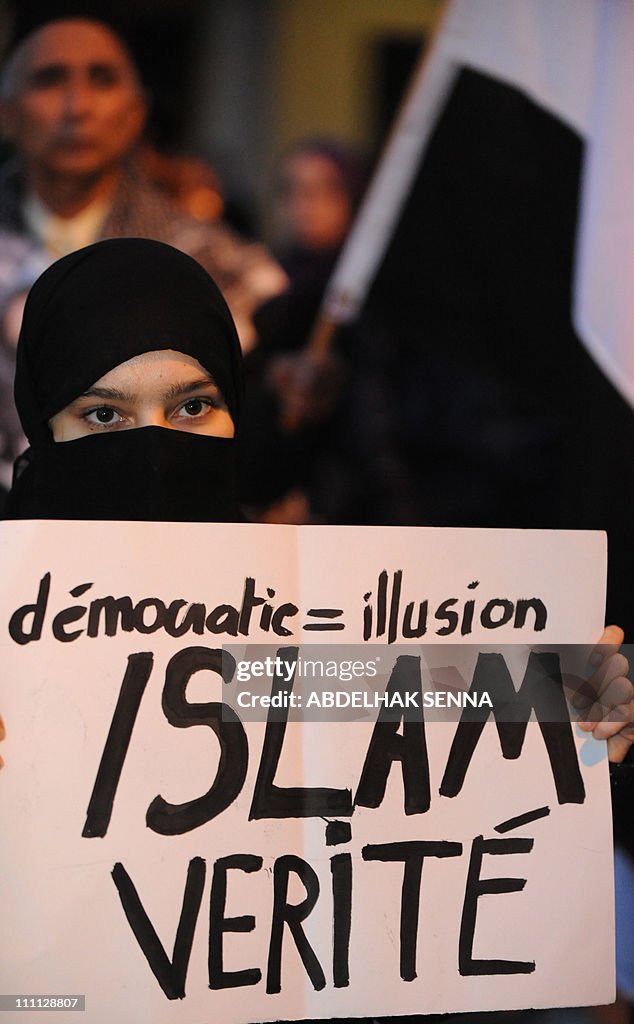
(173, 391)
(176, 390)
(113, 393)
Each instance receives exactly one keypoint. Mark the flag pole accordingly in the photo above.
(315, 367)
(376, 220)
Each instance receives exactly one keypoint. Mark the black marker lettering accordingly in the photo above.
(444, 611)
(537, 606)
(249, 602)
(367, 617)
(341, 869)
(477, 887)
(219, 924)
(541, 690)
(487, 618)
(132, 689)
(292, 915)
(223, 619)
(387, 745)
(116, 610)
(192, 621)
(271, 801)
(397, 581)
(381, 613)
(175, 819)
(284, 611)
(412, 854)
(17, 627)
(171, 975)
(467, 615)
(64, 618)
(156, 620)
(420, 628)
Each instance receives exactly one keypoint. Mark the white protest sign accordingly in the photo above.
(174, 861)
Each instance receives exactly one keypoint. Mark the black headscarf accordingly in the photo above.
(88, 313)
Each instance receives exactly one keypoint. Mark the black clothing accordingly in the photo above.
(102, 305)
(274, 461)
(88, 313)
(622, 786)
(145, 474)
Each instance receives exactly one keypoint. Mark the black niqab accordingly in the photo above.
(92, 311)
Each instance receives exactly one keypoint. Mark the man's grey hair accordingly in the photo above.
(13, 70)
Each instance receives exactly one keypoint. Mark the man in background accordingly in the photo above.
(74, 109)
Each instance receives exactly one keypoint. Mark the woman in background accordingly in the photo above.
(294, 406)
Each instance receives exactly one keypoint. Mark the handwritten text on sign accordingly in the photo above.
(174, 860)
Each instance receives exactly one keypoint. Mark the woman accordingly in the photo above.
(320, 184)
(295, 401)
(127, 333)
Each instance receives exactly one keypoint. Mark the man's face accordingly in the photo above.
(76, 107)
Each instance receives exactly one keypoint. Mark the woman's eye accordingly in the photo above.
(195, 407)
(104, 416)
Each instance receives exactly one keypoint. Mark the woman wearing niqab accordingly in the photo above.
(87, 314)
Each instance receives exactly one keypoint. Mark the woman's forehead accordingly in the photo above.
(165, 366)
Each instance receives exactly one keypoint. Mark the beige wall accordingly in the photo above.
(271, 71)
(321, 75)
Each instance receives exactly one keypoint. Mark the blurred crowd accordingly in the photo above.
(397, 421)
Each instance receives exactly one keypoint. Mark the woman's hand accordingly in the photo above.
(606, 702)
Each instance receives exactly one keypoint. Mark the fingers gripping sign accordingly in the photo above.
(606, 702)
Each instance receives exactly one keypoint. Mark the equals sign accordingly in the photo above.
(324, 613)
